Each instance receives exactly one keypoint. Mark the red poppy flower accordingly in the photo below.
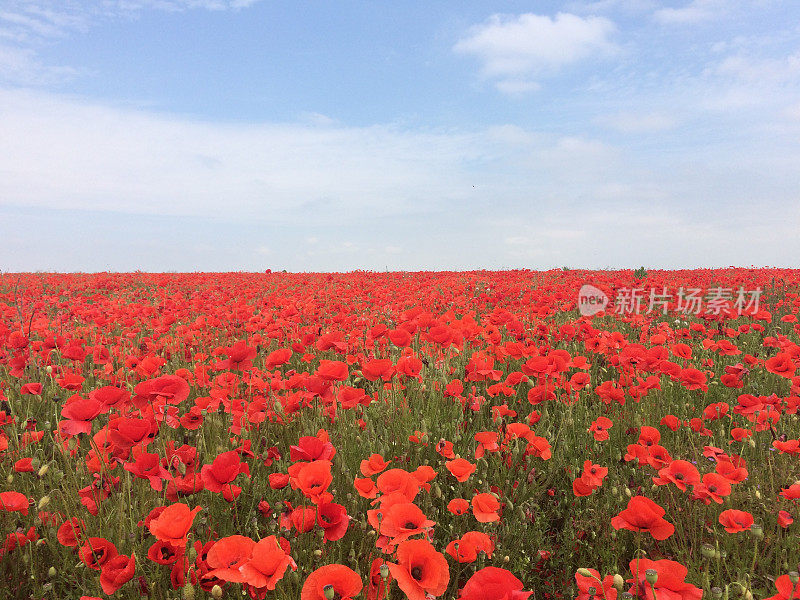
(343, 580)
(400, 481)
(70, 533)
(669, 584)
(334, 521)
(485, 507)
(332, 370)
(217, 476)
(680, 472)
(116, 572)
(14, 502)
(267, 565)
(365, 487)
(599, 428)
(460, 469)
(403, 520)
(96, 552)
(374, 465)
(493, 583)
(227, 556)
(466, 548)
(420, 570)
(642, 514)
(604, 587)
(313, 479)
(735, 521)
(173, 524)
(786, 589)
(458, 506)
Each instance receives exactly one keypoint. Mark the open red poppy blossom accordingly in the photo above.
(642, 514)
(669, 584)
(227, 556)
(735, 521)
(116, 572)
(267, 565)
(345, 582)
(173, 524)
(493, 583)
(420, 570)
(485, 507)
(460, 469)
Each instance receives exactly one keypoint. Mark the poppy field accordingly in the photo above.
(454, 435)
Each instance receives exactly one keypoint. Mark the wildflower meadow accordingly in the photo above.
(368, 435)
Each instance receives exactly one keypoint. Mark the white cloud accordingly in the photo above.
(512, 49)
(64, 153)
(22, 67)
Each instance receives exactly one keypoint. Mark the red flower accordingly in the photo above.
(116, 572)
(642, 514)
(460, 469)
(14, 502)
(599, 428)
(670, 583)
(485, 507)
(374, 465)
(345, 583)
(217, 476)
(403, 520)
(679, 472)
(493, 583)
(267, 565)
(458, 506)
(228, 555)
(172, 525)
(420, 570)
(604, 588)
(334, 521)
(786, 589)
(466, 549)
(735, 521)
(332, 370)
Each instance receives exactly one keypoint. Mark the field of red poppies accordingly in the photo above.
(423, 435)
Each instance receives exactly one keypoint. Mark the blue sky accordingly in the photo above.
(253, 134)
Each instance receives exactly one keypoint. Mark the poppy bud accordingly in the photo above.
(51, 572)
(45, 500)
(10, 479)
(49, 369)
(757, 531)
(716, 592)
(317, 552)
(619, 582)
(584, 572)
(707, 550)
(216, 592)
(329, 592)
(43, 470)
(651, 575)
(187, 593)
(384, 572)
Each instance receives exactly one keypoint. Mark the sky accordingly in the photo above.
(228, 135)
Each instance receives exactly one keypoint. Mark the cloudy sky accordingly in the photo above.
(251, 134)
